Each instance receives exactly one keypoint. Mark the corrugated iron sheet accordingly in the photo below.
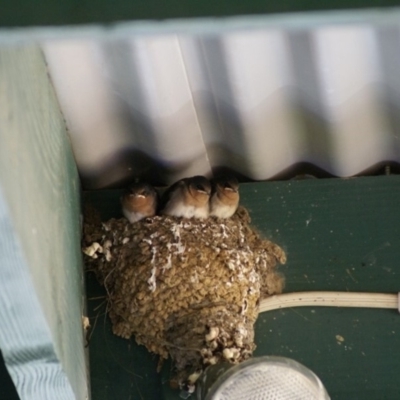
(258, 102)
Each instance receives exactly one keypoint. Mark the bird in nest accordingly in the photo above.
(188, 198)
(139, 201)
(224, 199)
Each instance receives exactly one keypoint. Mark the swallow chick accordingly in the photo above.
(188, 198)
(139, 201)
(224, 199)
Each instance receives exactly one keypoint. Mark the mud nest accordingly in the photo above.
(188, 289)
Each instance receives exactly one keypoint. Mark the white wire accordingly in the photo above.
(331, 299)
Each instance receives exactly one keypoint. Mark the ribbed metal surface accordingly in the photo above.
(256, 101)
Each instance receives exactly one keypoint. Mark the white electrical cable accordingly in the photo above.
(331, 299)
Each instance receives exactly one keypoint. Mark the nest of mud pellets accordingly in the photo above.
(185, 288)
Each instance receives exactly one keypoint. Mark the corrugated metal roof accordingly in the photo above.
(258, 101)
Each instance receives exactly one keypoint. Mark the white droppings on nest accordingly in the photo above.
(193, 377)
(211, 360)
(244, 307)
(176, 248)
(168, 264)
(177, 278)
(194, 278)
(190, 388)
(231, 354)
(239, 336)
(106, 227)
(175, 229)
(213, 345)
(231, 265)
(253, 277)
(106, 250)
(238, 341)
(240, 276)
(92, 250)
(152, 281)
(180, 248)
(212, 334)
(108, 255)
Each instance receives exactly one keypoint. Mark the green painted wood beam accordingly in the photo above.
(70, 12)
(41, 285)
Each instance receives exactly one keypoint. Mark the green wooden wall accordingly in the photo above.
(339, 235)
(41, 282)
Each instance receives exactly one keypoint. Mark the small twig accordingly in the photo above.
(100, 305)
(101, 314)
(97, 298)
(91, 331)
(168, 344)
(105, 281)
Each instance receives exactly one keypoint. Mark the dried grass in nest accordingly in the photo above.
(185, 288)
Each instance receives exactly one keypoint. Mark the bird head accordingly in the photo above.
(226, 186)
(139, 193)
(199, 188)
